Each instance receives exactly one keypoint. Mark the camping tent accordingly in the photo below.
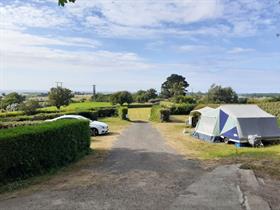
(236, 123)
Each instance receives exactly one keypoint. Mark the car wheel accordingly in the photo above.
(94, 132)
(226, 140)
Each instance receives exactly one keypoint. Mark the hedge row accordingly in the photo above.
(32, 150)
(140, 105)
(92, 114)
(181, 109)
(159, 114)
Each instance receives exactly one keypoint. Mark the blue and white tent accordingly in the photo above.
(236, 123)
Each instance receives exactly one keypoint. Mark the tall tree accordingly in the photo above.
(173, 86)
(11, 98)
(218, 94)
(60, 96)
(121, 98)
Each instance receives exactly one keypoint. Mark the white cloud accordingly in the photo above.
(237, 50)
(27, 15)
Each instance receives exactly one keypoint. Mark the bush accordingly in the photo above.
(139, 105)
(181, 108)
(107, 112)
(122, 112)
(184, 99)
(29, 107)
(164, 115)
(159, 114)
(92, 115)
(31, 150)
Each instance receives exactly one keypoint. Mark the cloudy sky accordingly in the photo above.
(136, 44)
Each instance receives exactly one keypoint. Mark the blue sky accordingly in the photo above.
(136, 44)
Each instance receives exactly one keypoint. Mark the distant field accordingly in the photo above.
(139, 114)
(79, 106)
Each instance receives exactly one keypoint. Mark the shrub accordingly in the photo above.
(184, 99)
(181, 108)
(123, 111)
(30, 150)
(29, 107)
(159, 114)
(106, 112)
(139, 105)
(164, 115)
(92, 115)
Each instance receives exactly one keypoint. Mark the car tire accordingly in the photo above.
(94, 132)
(226, 140)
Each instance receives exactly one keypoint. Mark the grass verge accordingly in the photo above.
(264, 161)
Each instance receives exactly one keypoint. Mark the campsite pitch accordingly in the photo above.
(140, 172)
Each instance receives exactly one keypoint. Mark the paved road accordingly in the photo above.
(141, 172)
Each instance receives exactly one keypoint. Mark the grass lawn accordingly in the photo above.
(265, 161)
(79, 106)
(142, 114)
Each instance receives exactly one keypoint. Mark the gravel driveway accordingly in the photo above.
(141, 172)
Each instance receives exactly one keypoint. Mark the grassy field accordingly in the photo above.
(265, 161)
(79, 106)
(142, 114)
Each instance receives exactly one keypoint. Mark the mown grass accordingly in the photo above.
(79, 106)
(265, 161)
(142, 114)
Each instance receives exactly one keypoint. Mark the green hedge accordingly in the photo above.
(181, 108)
(122, 112)
(140, 105)
(159, 114)
(31, 150)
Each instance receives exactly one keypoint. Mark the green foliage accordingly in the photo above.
(174, 85)
(164, 115)
(63, 2)
(11, 98)
(121, 98)
(139, 105)
(271, 107)
(218, 94)
(30, 150)
(29, 107)
(155, 113)
(159, 114)
(122, 112)
(100, 97)
(143, 96)
(184, 99)
(60, 96)
(180, 109)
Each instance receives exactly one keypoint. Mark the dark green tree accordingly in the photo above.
(60, 96)
(11, 98)
(63, 2)
(174, 85)
(151, 94)
(121, 97)
(218, 94)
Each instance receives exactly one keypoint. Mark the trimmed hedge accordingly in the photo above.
(140, 105)
(31, 150)
(181, 108)
(122, 112)
(159, 114)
